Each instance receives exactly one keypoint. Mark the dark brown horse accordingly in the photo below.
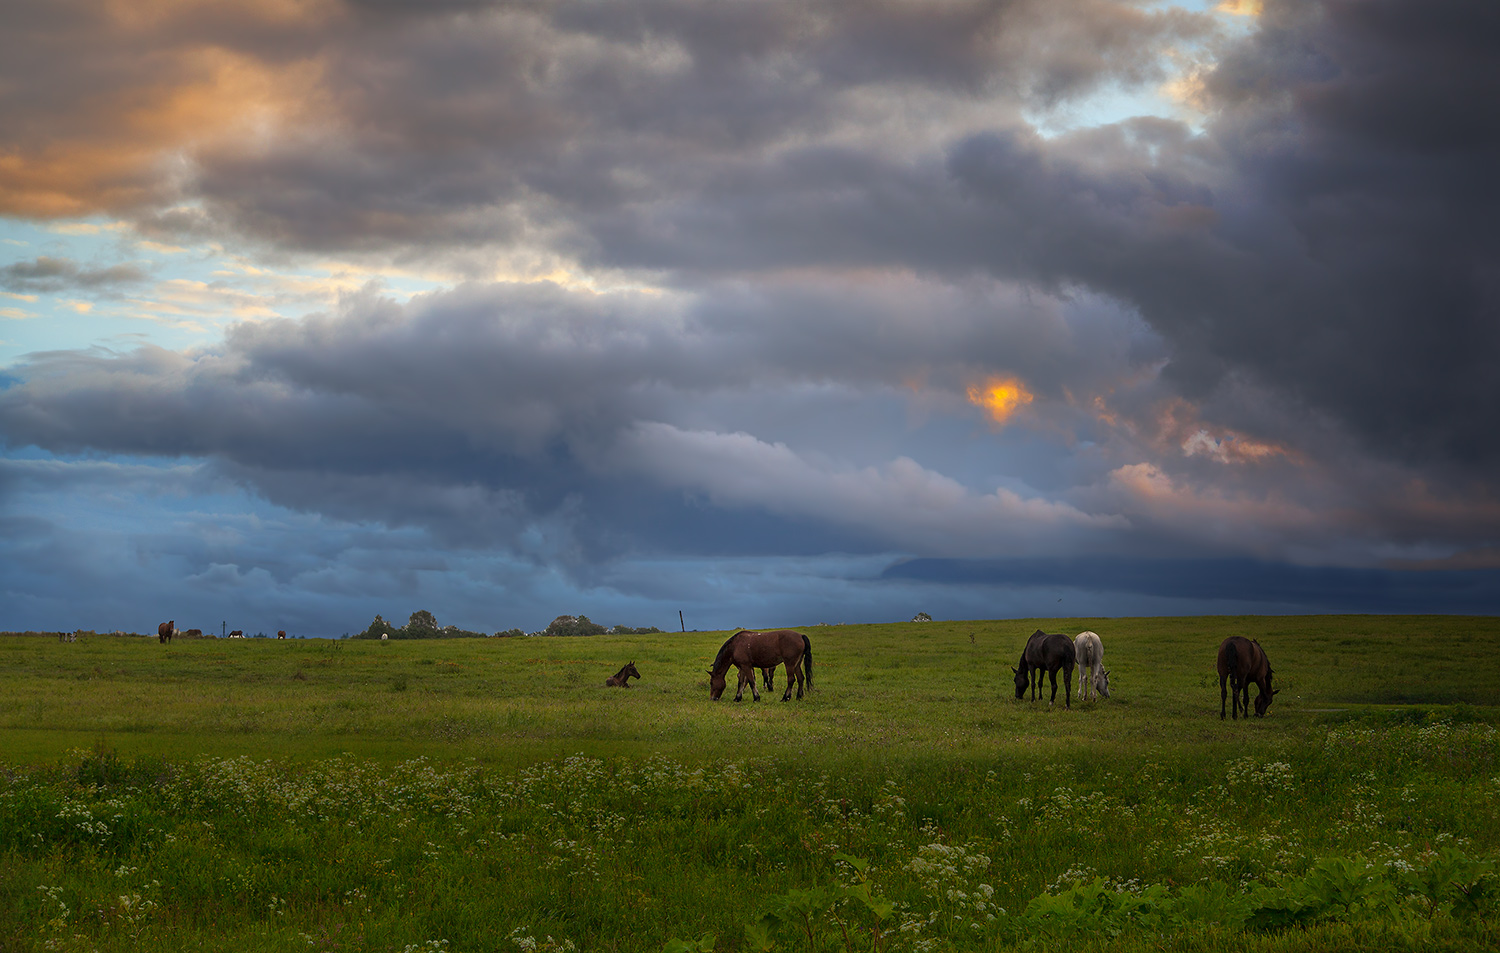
(748, 651)
(281, 633)
(1242, 661)
(165, 630)
(1044, 654)
(621, 679)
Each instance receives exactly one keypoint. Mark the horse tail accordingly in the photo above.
(807, 661)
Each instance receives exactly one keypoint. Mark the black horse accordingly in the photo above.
(1046, 653)
(1242, 661)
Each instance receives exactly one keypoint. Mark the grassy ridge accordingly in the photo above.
(312, 795)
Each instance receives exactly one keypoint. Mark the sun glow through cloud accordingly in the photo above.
(1000, 397)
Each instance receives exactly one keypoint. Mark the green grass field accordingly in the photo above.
(493, 795)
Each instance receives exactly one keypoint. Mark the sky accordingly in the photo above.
(768, 312)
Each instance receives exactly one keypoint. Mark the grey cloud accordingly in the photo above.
(1329, 237)
(492, 412)
(1319, 239)
(569, 427)
(48, 275)
(498, 123)
(842, 197)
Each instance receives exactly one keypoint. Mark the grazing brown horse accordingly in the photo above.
(621, 679)
(1044, 654)
(281, 633)
(748, 651)
(237, 634)
(165, 630)
(1242, 661)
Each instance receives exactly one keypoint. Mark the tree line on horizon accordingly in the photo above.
(423, 625)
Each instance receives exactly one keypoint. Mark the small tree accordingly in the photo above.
(571, 625)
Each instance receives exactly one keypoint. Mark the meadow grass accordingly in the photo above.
(494, 795)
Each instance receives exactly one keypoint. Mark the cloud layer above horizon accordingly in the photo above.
(774, 312)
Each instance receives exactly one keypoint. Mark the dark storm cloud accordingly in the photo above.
(843, 217)
(47, 275)
(603, 421)
(1283, 586)
(1330, 236)
(453, 123)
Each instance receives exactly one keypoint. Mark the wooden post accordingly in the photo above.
(680, 622)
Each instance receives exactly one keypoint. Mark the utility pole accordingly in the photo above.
(680, 622)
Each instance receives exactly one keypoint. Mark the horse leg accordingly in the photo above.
(1053, 700)
(1068, 688)
(754, 689)
(1223, 694)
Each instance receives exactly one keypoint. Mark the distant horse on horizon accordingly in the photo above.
(281, 633)
(621, 679)
(1242, 661)
(747, 651)
(165, 630)
(1088, 649)
(1045, 653)
(237, 634)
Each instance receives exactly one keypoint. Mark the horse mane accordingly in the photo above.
(722, 660)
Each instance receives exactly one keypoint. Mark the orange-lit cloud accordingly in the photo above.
(1211, 511)
(1177, 426)
(1000, 397)
(124, 141)
(1241, 8)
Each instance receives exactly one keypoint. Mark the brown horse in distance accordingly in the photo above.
(747, 651)
(1242, 661)
(165, 630)
(281, 633)
(621, 679)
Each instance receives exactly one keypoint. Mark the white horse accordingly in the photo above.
(1091, 674)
